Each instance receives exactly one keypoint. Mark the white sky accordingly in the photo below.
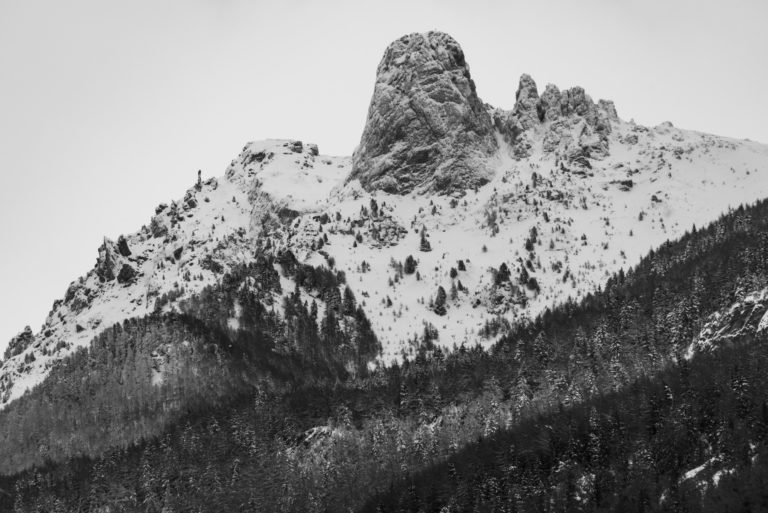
(108, 108)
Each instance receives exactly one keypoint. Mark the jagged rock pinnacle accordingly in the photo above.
(426, 128)
(568, 122)
(526, 100)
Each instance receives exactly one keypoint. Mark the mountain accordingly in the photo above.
(571, 194)
(438, 276)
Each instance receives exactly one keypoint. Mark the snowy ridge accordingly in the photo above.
(188, 245)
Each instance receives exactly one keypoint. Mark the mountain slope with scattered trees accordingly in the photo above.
(143, 375)
(567, 380)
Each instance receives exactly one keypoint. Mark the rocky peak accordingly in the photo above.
(548, 107)
(526, 101)
(575, 102)
(513, 124)
(426, 127)
(106, 261)
(568, 122)
(608, 109)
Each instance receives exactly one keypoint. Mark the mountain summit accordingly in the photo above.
(428, 131)
(426, 127)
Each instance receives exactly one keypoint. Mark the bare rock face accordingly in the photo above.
(426, 127)
(568, 123)
(578, 128)
(514, 125)
(526, 103)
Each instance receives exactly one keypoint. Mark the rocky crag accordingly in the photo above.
(426, 128)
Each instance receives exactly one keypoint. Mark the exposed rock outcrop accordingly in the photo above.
(526, 102)
(19, 343)
(514, 125)
(568, 123)
(426, 128)
(106, 261)
(747, 317)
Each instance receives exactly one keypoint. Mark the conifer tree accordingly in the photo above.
(424, 245)
(503, 274)
(440, 297)
(349, 301)
(410, 265)
(313, 310)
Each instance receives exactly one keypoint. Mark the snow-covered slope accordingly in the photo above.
(574, 194)
(587, 226)
(188, 244)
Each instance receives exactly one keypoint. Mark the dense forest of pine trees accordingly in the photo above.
(630, 451)
(141, 376)
(588, 408)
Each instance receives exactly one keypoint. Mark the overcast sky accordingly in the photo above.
(108, 108)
